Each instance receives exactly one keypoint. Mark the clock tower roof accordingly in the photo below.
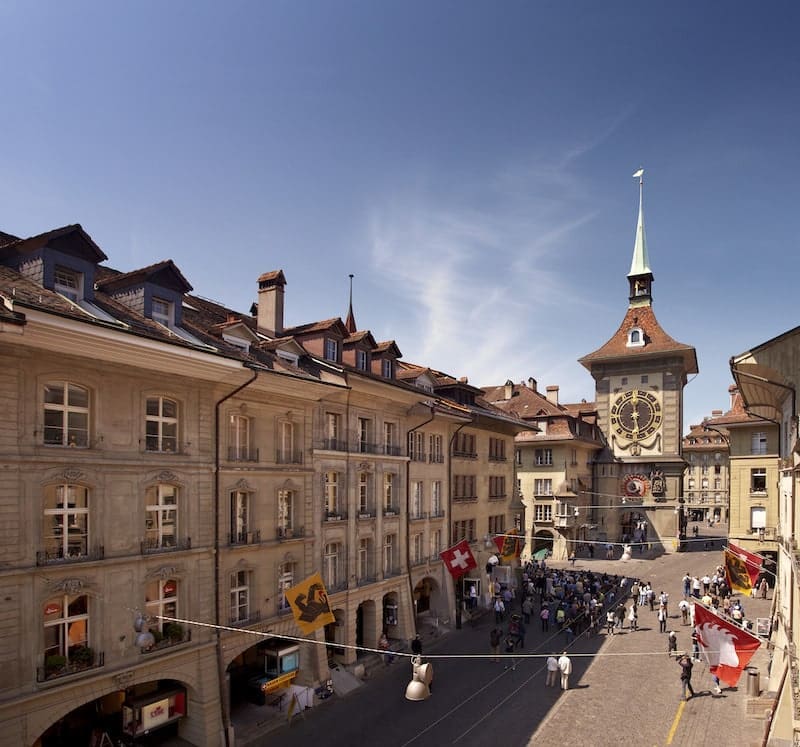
(640, 337)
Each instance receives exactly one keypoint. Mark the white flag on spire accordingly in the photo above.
(639, 173)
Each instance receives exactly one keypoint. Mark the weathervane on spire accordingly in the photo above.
(350, 322)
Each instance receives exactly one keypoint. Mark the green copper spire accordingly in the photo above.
(640, 264)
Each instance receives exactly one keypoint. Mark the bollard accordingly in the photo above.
(753, 684)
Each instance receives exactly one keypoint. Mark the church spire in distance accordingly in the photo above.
(641, 276)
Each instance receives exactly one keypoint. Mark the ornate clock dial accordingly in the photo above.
(636, 415)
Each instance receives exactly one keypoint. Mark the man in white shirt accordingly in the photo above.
(565, 665)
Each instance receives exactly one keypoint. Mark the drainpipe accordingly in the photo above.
(459, 588)
(224, 700)
(408, 502)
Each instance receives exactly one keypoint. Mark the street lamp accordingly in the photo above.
(422, 675)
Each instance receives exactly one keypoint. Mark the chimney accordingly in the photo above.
(509, 389)
(270, 303)
(552, 394)
(532, 383)
(733, 391)
(716, 413)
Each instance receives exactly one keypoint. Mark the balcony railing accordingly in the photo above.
(285, 456)
(252, 618)
(437, 514)
(391, 511)
(285, 534)
(152, 546)
(465, 498)
(246, 538)
(240, 454)
(465, 454)
(497, 458)
(57, 557)
(366, 513)
(336, 586)
(82, 660)
(436, 458)
(418, 516)
(335, 515)
(391, 450)
(173, 635)
(498, 497)
(368, 448)
(366, 580)
(333, 444)
(393, 571)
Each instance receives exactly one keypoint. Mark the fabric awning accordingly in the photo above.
(763, 389)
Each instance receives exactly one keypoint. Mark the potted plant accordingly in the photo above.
(173, 631)
(82, 657)
(54, 664)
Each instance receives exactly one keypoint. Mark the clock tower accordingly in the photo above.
(639, 378)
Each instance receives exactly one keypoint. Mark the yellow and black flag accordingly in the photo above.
(309, 603)
(737, 573)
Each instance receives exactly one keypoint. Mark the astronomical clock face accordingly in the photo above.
(635, 415)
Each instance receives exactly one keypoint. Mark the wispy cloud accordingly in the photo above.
(478, 274)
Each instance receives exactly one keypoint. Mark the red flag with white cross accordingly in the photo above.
(458, 559)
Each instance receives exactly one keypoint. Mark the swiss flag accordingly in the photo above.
(458, 559)
(727, 647)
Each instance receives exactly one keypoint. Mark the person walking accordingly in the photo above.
(527, 610)
(552, 671)
(565, 665)
(683, 606)
(672, 643)
(499, 610)
(633, 618)
(495, 635)
(572, 558)
(687, 584)
(662, 619)
(686, 677)
(610, 622)
(544, 615)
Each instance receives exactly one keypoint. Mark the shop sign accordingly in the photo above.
(155, 714)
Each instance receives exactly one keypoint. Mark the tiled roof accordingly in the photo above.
(126, 279)
(325, 324)
(55, 236)
(657, 342)
(737, 415)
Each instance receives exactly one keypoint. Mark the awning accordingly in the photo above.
(763, 389)
(541, 554)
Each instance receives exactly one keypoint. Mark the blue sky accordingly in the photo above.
(469, 162)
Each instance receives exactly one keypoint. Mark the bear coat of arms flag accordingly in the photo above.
(507, 546)
(309, 603)
(752, 561)
(458, 559)
(741, 575)
(727, 647)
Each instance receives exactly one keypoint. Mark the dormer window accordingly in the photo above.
(387, 368)
(161, 312)
(635, 338)
(362, 360)
(68, 283)
(331, 350)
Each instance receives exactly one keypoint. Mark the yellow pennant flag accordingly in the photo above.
(309, 603)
